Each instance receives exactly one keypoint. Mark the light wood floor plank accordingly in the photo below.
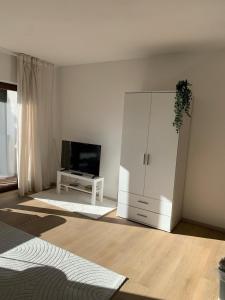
(159, 265)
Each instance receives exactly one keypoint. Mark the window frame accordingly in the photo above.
(8, 86)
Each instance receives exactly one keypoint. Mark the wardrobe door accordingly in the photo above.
(162, 148)
(134, 142)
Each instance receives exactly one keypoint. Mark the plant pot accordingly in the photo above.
(222, 285)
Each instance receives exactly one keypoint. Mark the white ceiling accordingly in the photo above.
(85, 31)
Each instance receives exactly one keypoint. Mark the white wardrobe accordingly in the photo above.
(153, 160)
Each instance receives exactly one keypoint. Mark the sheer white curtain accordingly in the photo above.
(8, 134)
(35, 124)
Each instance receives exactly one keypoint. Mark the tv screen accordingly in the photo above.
(80, 157)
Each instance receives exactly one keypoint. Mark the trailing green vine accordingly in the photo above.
(182, 103)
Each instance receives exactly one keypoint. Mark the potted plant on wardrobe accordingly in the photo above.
(183, 103)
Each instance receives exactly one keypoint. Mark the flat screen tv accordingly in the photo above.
(80, 157)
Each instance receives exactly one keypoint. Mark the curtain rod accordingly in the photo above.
(6, 51)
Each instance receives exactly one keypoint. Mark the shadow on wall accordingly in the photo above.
(48, 283)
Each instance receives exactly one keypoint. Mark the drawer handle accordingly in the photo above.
(143, 202)
(140, 215)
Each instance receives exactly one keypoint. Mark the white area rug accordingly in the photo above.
(31, 268)
(75, 201)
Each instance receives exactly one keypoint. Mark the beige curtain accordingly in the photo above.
(35, 127)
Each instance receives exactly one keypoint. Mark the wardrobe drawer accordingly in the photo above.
(144, 216)
(159, 206)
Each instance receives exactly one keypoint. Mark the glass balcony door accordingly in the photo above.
(8, 133)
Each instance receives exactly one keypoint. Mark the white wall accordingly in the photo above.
(7, 68)
(92, 108)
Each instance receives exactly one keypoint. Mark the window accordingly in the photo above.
(8, 136)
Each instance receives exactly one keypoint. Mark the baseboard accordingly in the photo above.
(203, 225)
(110, 198)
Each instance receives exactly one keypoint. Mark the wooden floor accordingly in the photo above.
(159, 265)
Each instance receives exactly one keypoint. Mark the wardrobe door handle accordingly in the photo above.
(148, 159)
(144, 160)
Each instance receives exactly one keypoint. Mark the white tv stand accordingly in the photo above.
(97, 184)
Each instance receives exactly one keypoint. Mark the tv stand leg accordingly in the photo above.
(58, 182)
(93, 196)
(101, 191)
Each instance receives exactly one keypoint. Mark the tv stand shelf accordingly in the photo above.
(96, 183)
